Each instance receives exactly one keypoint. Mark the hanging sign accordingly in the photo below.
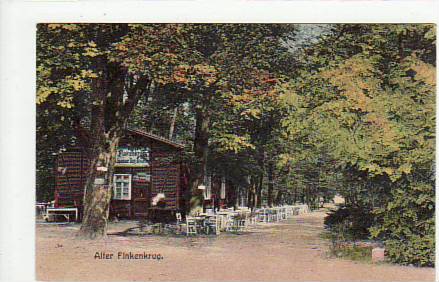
(101, 168)
(141, 176)
(99, 181)
(132, 156)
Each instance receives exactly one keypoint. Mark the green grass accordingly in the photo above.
(355, 253)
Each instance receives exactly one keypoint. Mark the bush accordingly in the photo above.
(350, 222)
(407, 225)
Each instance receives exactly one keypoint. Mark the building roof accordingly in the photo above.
(156, 137)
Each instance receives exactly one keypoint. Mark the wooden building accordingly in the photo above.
(149, 175)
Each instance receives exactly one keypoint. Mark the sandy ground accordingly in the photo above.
(288, 251)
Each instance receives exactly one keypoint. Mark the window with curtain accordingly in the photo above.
(122, 187)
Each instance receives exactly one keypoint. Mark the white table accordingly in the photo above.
(62, 211)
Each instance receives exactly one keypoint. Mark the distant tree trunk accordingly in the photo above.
(255, 198)
(270, 172)
(278, 197)
(201, 150)
(261, 158)
(232, 195)
(294, 194)
(259, 190)
(172, 126)
(238, 197)
(251, 193)
(308, 200)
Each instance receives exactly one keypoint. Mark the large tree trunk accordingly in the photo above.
(112, 103)
(201, 149)
(99, 191)
(102, 153)
(106, 131)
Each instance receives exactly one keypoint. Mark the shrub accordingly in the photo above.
(407, 225)
(350, 222)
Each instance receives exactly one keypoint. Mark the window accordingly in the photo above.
(122, 187)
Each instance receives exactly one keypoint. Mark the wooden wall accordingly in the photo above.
(165, 175)
(140, 189)
(70, 174)
(165, 171)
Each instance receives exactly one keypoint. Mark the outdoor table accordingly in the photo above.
(62, 211)
(161, 215)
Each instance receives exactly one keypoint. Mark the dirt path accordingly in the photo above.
(289, 251)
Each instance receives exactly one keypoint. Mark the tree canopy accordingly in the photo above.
(288, 112)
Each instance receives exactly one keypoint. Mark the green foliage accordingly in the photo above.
(350, 222)
(407, 224)
(350, 111)
(365, 99)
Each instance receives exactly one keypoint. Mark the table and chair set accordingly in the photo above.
(239, 220)
(276, 214)
(209, 223)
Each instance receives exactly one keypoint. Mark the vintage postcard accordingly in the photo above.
(156, 146)
(230, 152)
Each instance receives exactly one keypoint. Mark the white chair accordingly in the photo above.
(251, 218)
(283, 213)
(270, 214)
(191, 226)
(180, 224)
(236, 222)
(241, 223)
(229, 222)
(223, 218)
(263, 215)
(212, 224)
(289, 212)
